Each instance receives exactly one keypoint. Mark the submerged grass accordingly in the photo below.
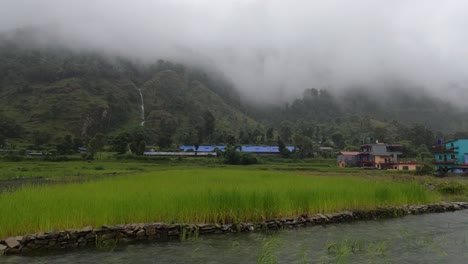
(60, 170)
(220, 195)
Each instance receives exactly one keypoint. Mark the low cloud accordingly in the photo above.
(273, 50)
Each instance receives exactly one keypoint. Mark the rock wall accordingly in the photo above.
(110, 235)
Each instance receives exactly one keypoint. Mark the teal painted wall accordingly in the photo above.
(460, 153)
(462, 145)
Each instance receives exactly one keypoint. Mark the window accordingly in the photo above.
(405, 168)
(440, 157)
(452, 156)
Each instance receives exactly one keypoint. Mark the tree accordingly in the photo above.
(244, 137)
(230, 139)
(209, 124)
(2, 141)
(138, 147)
(421, 135)
(162, 125)
(120, 142)
(231, 155)
(234, 157)
(9, 128)
(408, 149)
(310, 93)
(77, 143)
(285, 153)
(381, 134)
(269, 133)
(338, 140)
(97, 143)
(40, 138)
(285, 131)
(304, 146)
(424, 152)
(458, 135)
(65, 146)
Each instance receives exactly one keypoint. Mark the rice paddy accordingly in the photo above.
(197, 195)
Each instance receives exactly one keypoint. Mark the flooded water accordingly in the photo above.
(430, 238)
(13, 184)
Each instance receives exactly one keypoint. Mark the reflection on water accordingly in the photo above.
(431, 238)
(15, 183)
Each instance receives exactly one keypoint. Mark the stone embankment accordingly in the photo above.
(110, 235)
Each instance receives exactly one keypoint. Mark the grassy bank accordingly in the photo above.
(221, 195)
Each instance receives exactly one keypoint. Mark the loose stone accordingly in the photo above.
(12, 242)
(87, 229)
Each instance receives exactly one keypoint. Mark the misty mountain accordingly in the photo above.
(270, 54)
(49, 91)
(357, 115)
(57, 91)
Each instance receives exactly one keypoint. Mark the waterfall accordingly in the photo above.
(142, 108)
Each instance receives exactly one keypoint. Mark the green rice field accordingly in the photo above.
(74, 169)
(196, 195)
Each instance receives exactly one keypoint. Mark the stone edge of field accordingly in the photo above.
(111, 235)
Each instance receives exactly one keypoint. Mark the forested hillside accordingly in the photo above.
(48, 93)
(51, 95)
(346, 119)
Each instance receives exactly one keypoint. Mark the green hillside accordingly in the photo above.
(58, 92)
(51, 95)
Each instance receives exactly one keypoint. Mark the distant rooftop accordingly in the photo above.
(349, 153)
(247, 149)
(381, 144)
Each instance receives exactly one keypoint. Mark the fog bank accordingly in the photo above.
(273, 50)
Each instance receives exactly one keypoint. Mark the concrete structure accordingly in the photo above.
(380, 156)
(347, 159)
(451, 156)
(376, 156)
(406, 166)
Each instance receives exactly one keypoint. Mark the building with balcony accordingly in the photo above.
(376, 156)
(451, 156)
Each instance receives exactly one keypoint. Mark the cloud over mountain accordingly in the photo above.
(272, 49)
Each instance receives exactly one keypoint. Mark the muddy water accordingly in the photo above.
(13, 184)
(431, 238)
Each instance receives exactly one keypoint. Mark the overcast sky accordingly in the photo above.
(274, 48)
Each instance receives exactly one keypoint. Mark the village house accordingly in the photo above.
(347, 159)
(377, 156)
(451, 156)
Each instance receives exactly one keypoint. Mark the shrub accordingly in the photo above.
(247, 159)
(234, 157)
(231, 156)
(87, 156)
(451, 188)
(424, 170)
(57, 158)
(13, 157)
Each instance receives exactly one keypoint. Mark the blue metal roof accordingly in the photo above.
(247, 149)
(202, 148)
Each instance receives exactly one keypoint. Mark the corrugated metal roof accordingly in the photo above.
(349, 153)
(247, 149)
